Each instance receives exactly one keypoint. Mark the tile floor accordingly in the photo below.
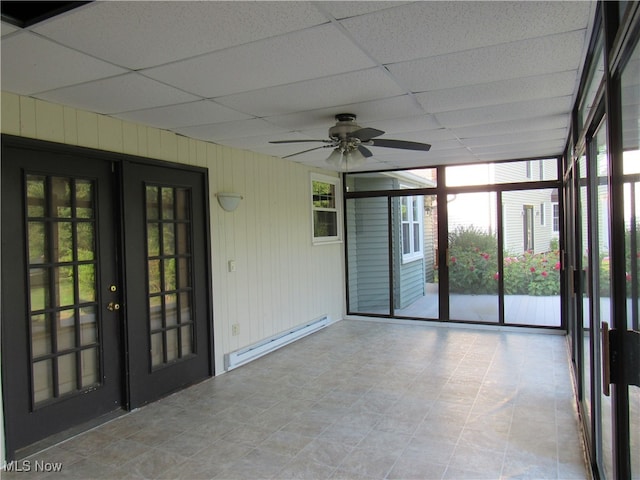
(357, 400)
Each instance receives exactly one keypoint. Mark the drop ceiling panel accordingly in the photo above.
(406, 123)
(516, 138)
(49, 65)
(297, 56)
(143, 34)
(506, 112)
(504, 91)
(230, 130)
(436, 28)
(118, 94)
(336, 90)
(539, 56)
(340, 10)
(367, 112)
(184, 115)
(513, 126)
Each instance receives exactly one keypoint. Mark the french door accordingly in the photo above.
(166, 279)
(105, 286)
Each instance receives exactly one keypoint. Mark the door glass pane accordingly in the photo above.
(63, 242)
(40, 335)
(37, 243)
(170, 275)
(416, 280)
(584, 262)
(39, 288)
(368, 255)
(66, 330)
(602, 292)
(168, 239)
(473, 257)
(168, 210)
(630, 81)
(88, 326)
(89, 367)
(632, 250)
(86, 244)
(531, 259)
(35, 196)
(42, 381)
(87, 283)
(84, 199)
(65, 285)
(67, 373)
(60, 197)
(61, 234)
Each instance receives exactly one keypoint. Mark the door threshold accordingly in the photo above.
(60, 437)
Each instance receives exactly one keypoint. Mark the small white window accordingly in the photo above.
(543, 215)
(412, 218)
(556, 217)
(325, 209)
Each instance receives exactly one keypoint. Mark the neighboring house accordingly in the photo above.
(531, 217)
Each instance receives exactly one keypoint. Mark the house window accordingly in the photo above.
(556, 218)
(325, 203)
(412, 221)
(543, 215)
(528, 168)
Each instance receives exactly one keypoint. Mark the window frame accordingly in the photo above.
(555, 219)
(413, 202)
(337, 209)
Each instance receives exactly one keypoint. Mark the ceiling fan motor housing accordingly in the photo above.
(345, 125)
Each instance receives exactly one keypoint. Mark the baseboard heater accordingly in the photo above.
(244, 355)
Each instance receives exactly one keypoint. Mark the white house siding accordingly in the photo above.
(513, 220)
(281, 279)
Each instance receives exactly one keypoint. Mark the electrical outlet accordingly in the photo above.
(235, 329)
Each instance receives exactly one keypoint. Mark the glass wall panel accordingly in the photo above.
(502, 172)
(630, 84)
(473, 257)
(594, 78)
(414, 259)
(600, 252)
(583, 208)
(531, 258)
(396, 180)
(368, 255)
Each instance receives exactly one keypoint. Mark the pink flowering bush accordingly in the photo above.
(473, 267)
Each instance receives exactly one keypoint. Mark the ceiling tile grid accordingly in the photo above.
(478, 80)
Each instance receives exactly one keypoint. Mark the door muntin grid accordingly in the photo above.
(169, 273)
(64, 320)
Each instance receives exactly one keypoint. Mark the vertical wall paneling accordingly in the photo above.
(281, 279)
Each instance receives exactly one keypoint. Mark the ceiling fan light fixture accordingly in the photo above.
(345, 160)
(336, 158)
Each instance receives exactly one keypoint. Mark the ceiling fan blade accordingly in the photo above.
(300, 141)
(366, 134)
(403, 144)
(305, 151)
(366, 153)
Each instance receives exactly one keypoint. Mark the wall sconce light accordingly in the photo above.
(229, 201)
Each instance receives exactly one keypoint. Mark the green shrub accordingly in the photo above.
(473, 267)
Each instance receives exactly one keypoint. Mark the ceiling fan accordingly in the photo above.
(350, 141)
